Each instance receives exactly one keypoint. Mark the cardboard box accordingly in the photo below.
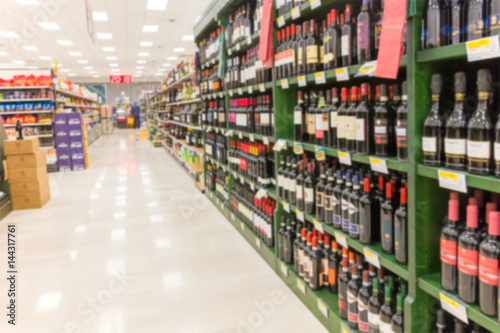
(31, 201)
(78, 164)
(21, 147)
(75, 119)
(37, 159)
(26, 174)
(76, 144)
(77, 153)
(60, 119)
(29, 188)
(62, 143)
(63, 153)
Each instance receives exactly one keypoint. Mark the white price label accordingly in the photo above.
(345, 158)
(229, 51)
(252, 186)
(232, 216)
(345, 327)
(485, 48)
(231, 93)
(240, 135)
(279, 145)
(242, 226)
(266, 140)
(302, 81)
(211, 195)
(250, 89)
(261, 193)
(368, 69)
(379, 165)
(286, 207)
(371, 257)
(295, 13)
(300, 215)
(322, 308)
(262, 87)
(214, 96)
(209, 128)
(454, 306)
(229, 133)
(213, 61)
(221, 94)
(249, 40)
(238, 47)
(320, 78)
(342, 74)
(281, 21)
(242, 180)
(341, 239)
(301, 286)
(252, 138)
(318, 226)
(240, 91)
(257, 242)
(284, 84)
(452, 180)
(284, 269)
(314, 3)
(222, 205)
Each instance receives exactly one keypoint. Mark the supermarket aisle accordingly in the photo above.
(131, 245)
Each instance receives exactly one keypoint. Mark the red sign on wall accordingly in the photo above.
(120, 79)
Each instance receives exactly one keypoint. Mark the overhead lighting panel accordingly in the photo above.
(49, 25)
(100, 16)
(150, 28)
(157, 4)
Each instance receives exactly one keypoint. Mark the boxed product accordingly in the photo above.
(26, 174)
(32, 201)
(19, 147)
(77, 153)
(78, 164)
(63, 153)
(26, 161)
(76, 144)
(75, 120)
(60, 119)
(76, 139)
(26, 188)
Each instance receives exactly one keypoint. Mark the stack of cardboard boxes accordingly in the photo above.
(27, 174)
(69, 141)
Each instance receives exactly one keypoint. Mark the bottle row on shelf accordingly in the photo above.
(245, 71)
(244, 22)
(216, 147)
(14, 94)
(254, 161)
(252, 115)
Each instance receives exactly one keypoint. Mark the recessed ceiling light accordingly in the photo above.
(45, 57)
(147, 44)
(111, 58)
(171, 58)
(32, 67)
(138, 75)
(157, 4)
(139, 67)
(96, 76)
(100, 16)
(179, 49)
(2, 53)
(143, 54)
(108, 49)
(9, 34)
(49, 25)
(113, 65)
(197, 19)
(58, 65)
(104, 36)
(27, 2)
(166, 65)
(159, 74)
(88, 67)
(188, 37)
(75, 54)
(141, 61)
(65, 42)
(18, 61)
(65, 70)
(82, 62)
(30, 48)
(150, 28)
(71, 74)
(92, 72)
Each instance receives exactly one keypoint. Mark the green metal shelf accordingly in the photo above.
(306, 11)
(388, 261)
(392, 162)
(483, 182)
(217, 202)
(245, 45)
(431, 284)
(213, 160)
(448, 52)
(271, 191)
(213, 96)
(234, 93)
(255, 136)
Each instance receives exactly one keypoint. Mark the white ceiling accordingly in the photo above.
(126, 19)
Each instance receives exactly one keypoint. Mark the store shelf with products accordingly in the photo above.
(260, 88)
(244, 45)
(80, 106)
(305, 11)
(26, 100)
(10, 113)
(196, 128)
(28, 125)
(74, 95)
(270, 191)
(26, 88)
(177, 83)
(200, 151)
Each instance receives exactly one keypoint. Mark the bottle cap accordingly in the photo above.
(441, 318)
(484, 80)
(366, 276)
(403, 196)
(355, 180)
(314, 242)
(381, 183)
(472, 216)
(367, 185)
(352, 257)
(388, 190)
(453, 208)
(334, 245)
(490, 207)
(494, 225)
(437, 84)
(354, 269)
(345, 251)
(327, 240)
(380, 273)
(472, 201)
(454, 196)
(309, 238)
(304, 233)
(460, 82)
(345, 263)
(479, 195)
(359, 260)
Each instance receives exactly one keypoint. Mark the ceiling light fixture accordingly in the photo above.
(150, 28)
(27, 2)
(30, 48)
(9, 34)
(75, 54)
(88, 67)
(2, 53)
(65, 70)
(96, 76)
(45, 57)
(139, 67)
(111, 58)
(100, 16)
(188, 37)
(179, 49)
(82, 62)
(157, 4)
(143, 54)
(141, 61)
(147, 44)
(49, 25)
(104, 36)
(64, 42)
(108, 49)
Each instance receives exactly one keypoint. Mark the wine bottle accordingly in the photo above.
(441, 321)
(386, 221)
(333, 268)
(328, 197)
(342, 291)
(386, 311)
(459, 326)
(295, 49)
(281, 178)
(289, 237)
(346, 193)
(354, 209)
(402, 126)
(496, 147)
(494, 18)
(350, 121)
(286, 176)
(457, 21)
(332, 132)
(320, 195)
(489, 253)
(292, 182)
(363, 299)
(281, 238)
(324, 254)
(326, 110)
(366, 40)
(401, 230)
(342, 122)
(364, 126)
(300, 186)
(397, 321)
(382, 116)
(379, 18)
(468, 258)
(314, 265)
(19, 130)
(311, 118)
(352, 297)
(449, 238)
(374, 304)
(369, 213)
(348, 39)
(309, 187)
(302, 50)
(480, 128)
(335, 41)
(306, 259)
(337, 201)
(435, 33)
(298, 118)
(455, 142)
(476, 16)
(296, 248)
(312, 55)
(432, 141)
(319, 127)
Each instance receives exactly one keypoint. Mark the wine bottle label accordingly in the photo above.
(362, 220)
(345, 45)
(373, 321)
(351, 128)
(342, 304)
(352, 307)
(387, 230)
(354, 229)
(397, 234)
(497, 152)
(333, 119)
(478, 151)
(381, 132)
(292, 183)
(319, 199)
(488, 270)
(378, 33)
(341, 129)
(310, 123)
(326, 124)
(291, 56)
(319, 126)
(299, 191)
(429, 145)
(455, 147)
(475, 27)
(468, 261)
(328, 58)
(299, 56)
(385, 327)
(309, 194)
(337, 221)
(321, 54)
(448, 251)
(360, 130)
(401, 134)
(332, 275)
(494, 24)
(363, 35)
(312, 54)
(363, 315)
(328, 202)
(324, 271)
(265, 119)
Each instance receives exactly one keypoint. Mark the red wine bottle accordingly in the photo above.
(335, 41)
(402, 126)
(324, 254)
(386, 311)
(348, 39)
(448, 248)
(281, 238)
(387, 222)
(296, 248)
(320, 195)
(369, 214)
(432, 140)
(346, 193)
(309, 189)
(480, 128)
(337, 201)
(312, 54)
(320, 134)
(343, 282)
(292, 182)
(374, 304)
(354, 209)
(363, 298)
(457, 21)
(494, 18)
(455, 142)
(496, 147)
(301, 251)
(298, 118)
(306, 260)
(401, 230)
(441, 321)
(328, 197)
(350, 121)
(476, 19)
(489, 254)
(333, 109)
(289, 237)
(333, 268)
(366, 38)
(397, 321)
(381, 120)
(302, 50)
(314, 265)
(468, 258)
(364, 125)
(286, 179)
(300, 186)
(311, 118)
(352, 297)
(342, 121)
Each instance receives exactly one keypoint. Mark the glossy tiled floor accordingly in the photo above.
(130, 245)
